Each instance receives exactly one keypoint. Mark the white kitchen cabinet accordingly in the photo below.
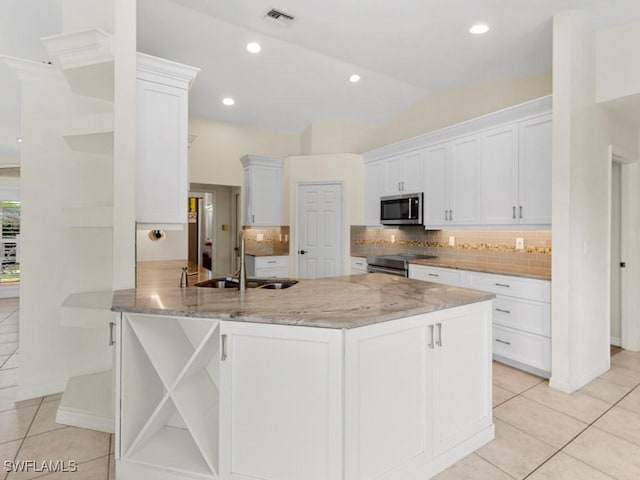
(373, 175)
(280, 384)
(262, 191)
(162, 130)
(267, 266)
(446, 276)
(436, 194)
(534, 163)
(436, 372)
(464, 181)
(499, 177)
(404, 173)
(358, 265)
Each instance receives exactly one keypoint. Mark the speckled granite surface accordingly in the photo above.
(339, 302)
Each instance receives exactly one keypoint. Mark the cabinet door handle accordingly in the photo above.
(403, 185)
(446, 215)
(112, 340)
(502, 341)
(520, 211)
(514, 212)
(439, 340)
(450, 215)
(223, 349)
(253, 219)
(508, 312)
(434, 275)
(503, 285)
(272, 261)
(430, 336)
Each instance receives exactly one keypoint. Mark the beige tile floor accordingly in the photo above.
(541, 434)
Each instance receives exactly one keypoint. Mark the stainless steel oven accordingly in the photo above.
(393, 264)
(402, 209)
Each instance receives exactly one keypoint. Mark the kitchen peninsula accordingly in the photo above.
(354, 377)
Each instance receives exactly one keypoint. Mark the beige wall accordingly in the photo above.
(618, 72)
(448, 107)
(346, 168)
(338, 135)
(173, 247)
(582, 136)
(214, 156)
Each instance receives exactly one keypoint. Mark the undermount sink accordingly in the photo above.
(268, 283)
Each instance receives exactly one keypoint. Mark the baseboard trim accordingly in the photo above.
(616, 341)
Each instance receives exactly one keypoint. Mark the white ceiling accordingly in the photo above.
(402, 49)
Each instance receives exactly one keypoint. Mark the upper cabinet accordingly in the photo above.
(262, 191)
(162, 131)
(493, 170)
(404, 173)
(534, 163)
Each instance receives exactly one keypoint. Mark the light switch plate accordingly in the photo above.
(259, 237)
(519, 243)
(452, 241)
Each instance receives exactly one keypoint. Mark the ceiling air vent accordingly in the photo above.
(279, 17)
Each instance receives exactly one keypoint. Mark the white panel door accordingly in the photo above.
(535, 171)
(464, 181)
(320, 230)
(393, 175)
(500, 176)
(373, 190)
(281, 402)
(387, 399)
(462, 376)
(436, 187)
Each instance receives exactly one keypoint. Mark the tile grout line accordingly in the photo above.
(25, 434)
(581, 432)
(111, 439)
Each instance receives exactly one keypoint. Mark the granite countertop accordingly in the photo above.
(513, 270)
(339, 302)
(268, 254)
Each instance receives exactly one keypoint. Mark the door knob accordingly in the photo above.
(302, 252)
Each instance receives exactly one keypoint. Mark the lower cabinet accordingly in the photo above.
(521, 314)
(358, 265)
(268, 266)
(209, 399)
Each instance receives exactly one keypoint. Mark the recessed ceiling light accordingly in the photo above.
(354, 78)
(479, 29)
(253, 47)
(228, 101)
(19, 140)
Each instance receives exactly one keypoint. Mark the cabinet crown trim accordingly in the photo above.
(539, 106)
(250, 159)
(160, 69)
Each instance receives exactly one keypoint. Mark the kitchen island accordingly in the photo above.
(355, 377)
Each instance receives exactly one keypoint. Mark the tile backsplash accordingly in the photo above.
(471, 246)
(267, 240)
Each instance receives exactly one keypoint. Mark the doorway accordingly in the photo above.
(319, 229)
(616, 255)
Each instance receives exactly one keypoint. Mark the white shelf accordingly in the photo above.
(88, 217)
(87, 402)
(86, 60)
(100, 143)
(174, 449)
(87, 310)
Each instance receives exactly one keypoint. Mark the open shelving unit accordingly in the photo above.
(175, 423)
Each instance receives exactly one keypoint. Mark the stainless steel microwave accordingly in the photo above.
(402, 209)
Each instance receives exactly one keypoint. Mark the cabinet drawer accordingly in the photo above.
(358, 264)
(271, 272)
(528, 288)
(525, 315)
(522, 347)
(446, 276)
(272, 262)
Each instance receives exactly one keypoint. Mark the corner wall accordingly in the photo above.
(582, 135)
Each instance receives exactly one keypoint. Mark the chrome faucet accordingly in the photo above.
(183, 277)
(241, 275)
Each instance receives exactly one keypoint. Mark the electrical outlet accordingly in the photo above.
(452, 241)
(393, 239)
(519, 243)
(259, 237)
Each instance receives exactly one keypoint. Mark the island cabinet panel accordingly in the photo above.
(417, 393)
(281, 405)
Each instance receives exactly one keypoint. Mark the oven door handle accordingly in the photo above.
(391, 271)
